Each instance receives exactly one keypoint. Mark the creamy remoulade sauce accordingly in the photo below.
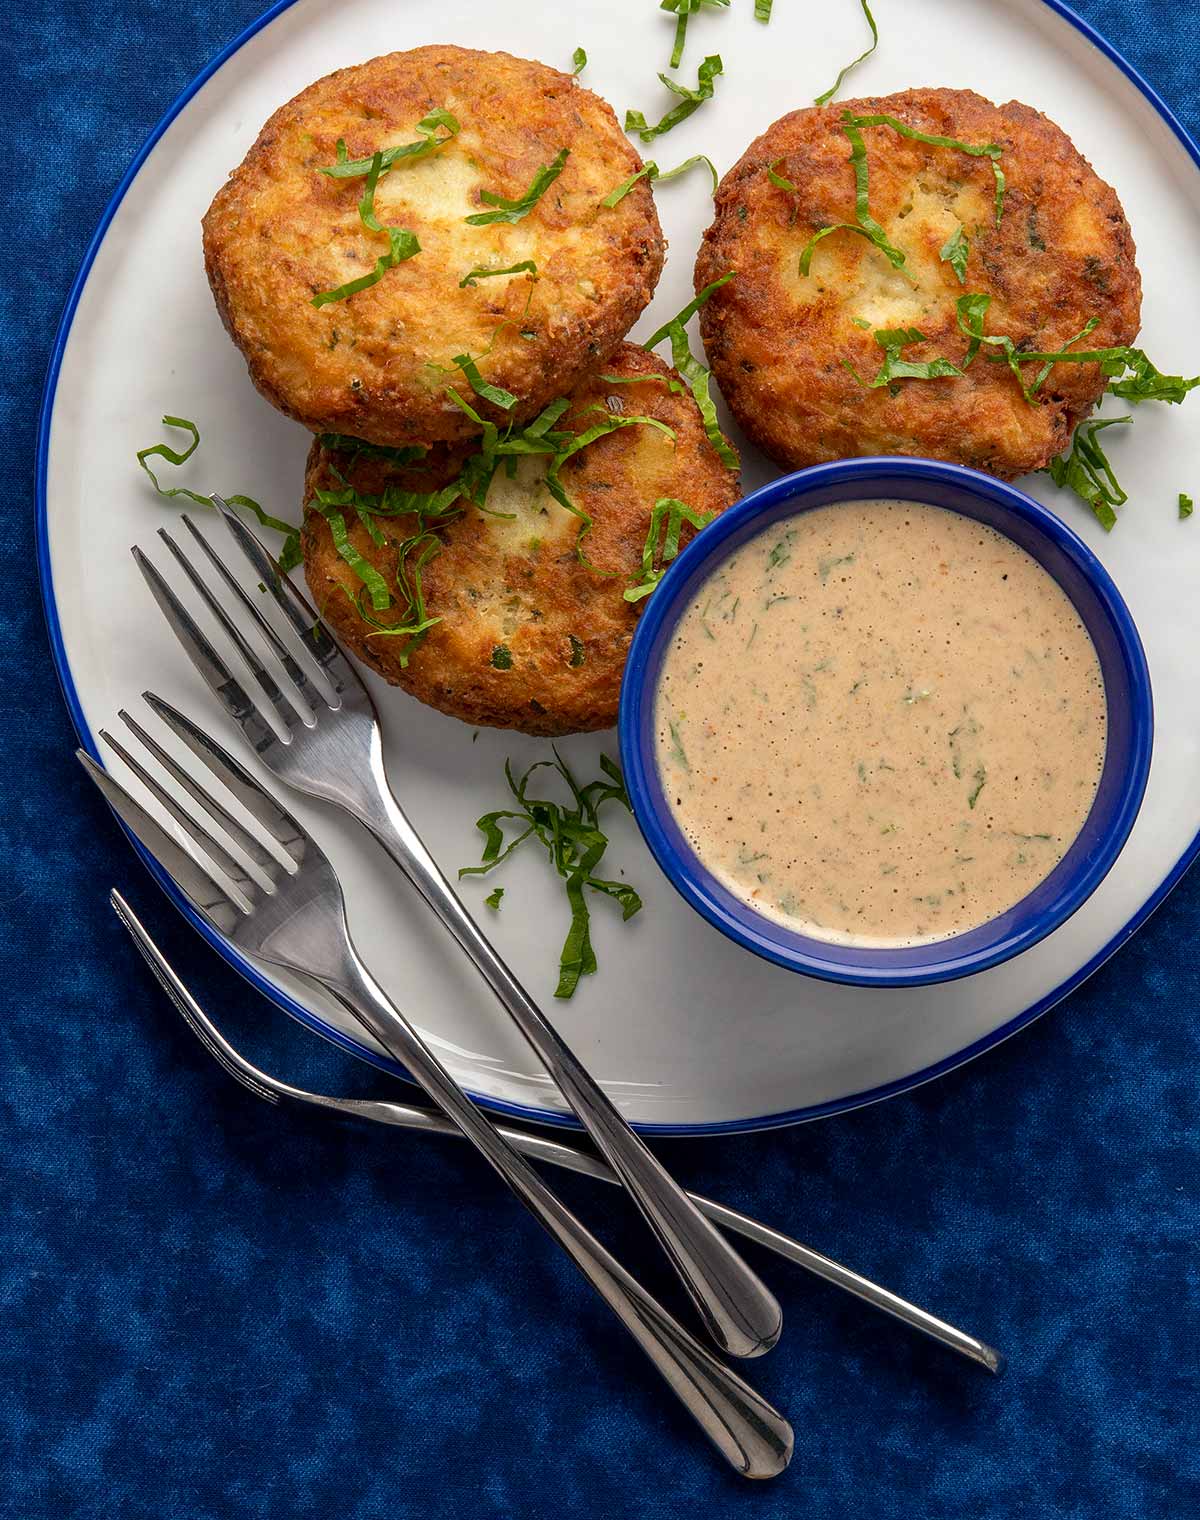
(880, 722)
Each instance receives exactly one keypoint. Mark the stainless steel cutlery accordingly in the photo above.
(272, 891)
(328, 744)
(539, 1147)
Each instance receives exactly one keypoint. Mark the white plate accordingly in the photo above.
(687, 1032)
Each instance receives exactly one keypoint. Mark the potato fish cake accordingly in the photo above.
(795, 350)
(532, 624)
(488, 163)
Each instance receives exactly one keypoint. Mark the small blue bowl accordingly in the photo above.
(1126, 684)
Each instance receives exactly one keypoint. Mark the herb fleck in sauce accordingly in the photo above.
(906, 743)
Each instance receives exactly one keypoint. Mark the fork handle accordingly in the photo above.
(751, 1435)
(739, 1311)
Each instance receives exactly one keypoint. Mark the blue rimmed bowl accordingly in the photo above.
(1126, 684)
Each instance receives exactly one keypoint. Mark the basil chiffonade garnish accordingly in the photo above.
(575, 843)
(666, 523)
(402, 244)
(289, 555)
(823, 100)
(651, 171)
(507, 210)
(695, 373)
(682, 10)
(690, 100)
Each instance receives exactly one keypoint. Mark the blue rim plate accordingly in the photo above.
(1126, 680)
(71, 694)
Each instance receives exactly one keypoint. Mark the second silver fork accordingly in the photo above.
(297, 921)
(335, 752)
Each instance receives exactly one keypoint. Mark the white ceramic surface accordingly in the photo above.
(685, 1029)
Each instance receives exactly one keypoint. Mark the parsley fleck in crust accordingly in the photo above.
(529, 637)
(280, 232)
(778, 341)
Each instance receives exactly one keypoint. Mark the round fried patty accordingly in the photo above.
(780, 342)
(529, 636)
(377, 363)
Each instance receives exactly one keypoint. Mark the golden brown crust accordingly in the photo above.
(778, 342)
(519, 586)
(279, 231)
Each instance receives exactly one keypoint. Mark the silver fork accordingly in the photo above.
(298, 922)
(537, 1146)
(335, 752)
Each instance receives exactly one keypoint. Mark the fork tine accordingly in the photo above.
(216, 674)
(241, 836)
(212, 847)
(211, 901)
(284, 710)
(192, 1014)
(277, 821)
(302, 616)
(283, 654)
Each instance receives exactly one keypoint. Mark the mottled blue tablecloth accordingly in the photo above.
(209, 1309)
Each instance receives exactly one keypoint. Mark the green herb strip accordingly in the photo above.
(955, 251)
(1186, 505)
(1085, 470)
(578, 61)
(823, 100)
(526, 266)
(514, 210)
(496, 394)
(696, 375)
(289, 556)
(328, 503)
(690, 100)
(493, 899)
(575, 844)
(682, 10)
(990, 151)
(402, 244)
(866, 225)
(651, 171)
(762, 10)
(429, 142)
(666, 524)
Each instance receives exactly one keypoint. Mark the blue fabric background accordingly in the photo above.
(209, 1309)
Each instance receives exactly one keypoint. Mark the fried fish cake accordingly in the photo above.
(528, 636)
(377, 363)
(795, 354)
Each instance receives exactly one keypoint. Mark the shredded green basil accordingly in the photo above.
(359, 448)
(690, 100)
(1085, 470)
(289, 556)
(866, 225)
(955, 251)
(662, 542)
(695, 373)
(428, 142)
(894, 367)
(575, 844)
(823, 100)
(682, 10)
(578, 61)
(328, 503)
(1186, 505)
(762, 10)
(402, 244)
(513, 210)
(651, 171)
(496, 394)
(526, 266)
(493, 899)
(991, 151)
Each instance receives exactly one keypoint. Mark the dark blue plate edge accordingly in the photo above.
(520, 1111)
